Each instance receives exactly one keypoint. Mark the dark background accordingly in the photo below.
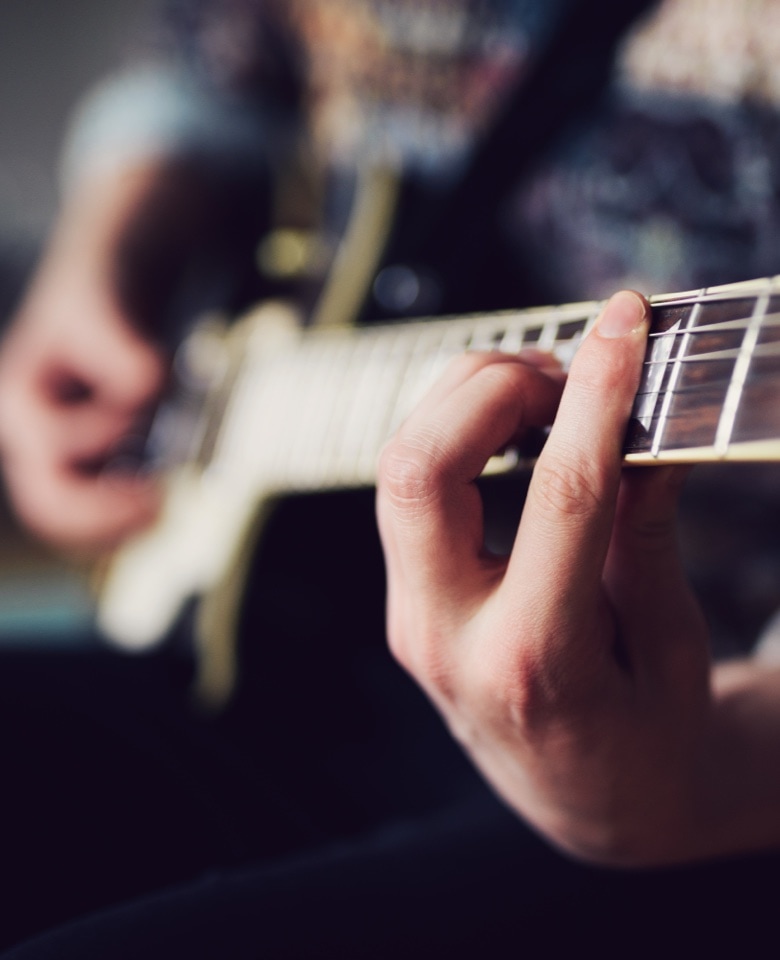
(50, 52)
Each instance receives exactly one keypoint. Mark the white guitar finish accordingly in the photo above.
(309, 411)
(207, 507)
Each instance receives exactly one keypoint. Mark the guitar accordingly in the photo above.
(280, 410)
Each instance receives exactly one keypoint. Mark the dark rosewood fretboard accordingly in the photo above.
(311, 410)
(711, 387)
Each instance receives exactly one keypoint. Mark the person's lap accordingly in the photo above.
(325, 812)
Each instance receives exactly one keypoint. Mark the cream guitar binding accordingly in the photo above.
(294, 411)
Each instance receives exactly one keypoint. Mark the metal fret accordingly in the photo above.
(739, 375)
(566, 348)
(270, 436)
(338, 404)
(486, 335)
(318, 376)
(549, 334)
(674, 377)
(425, 347)
(327, 378)
(389, 361)
(355, 425)
(655, 368)
(324, 404)
(512, 340)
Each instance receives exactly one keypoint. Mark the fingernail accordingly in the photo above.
(623, 314)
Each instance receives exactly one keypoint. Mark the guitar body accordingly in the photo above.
(213, 511)
(298, 412)
(303, 411)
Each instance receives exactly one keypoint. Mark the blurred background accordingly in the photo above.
(51, 51)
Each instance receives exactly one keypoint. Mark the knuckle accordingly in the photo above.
(504, 381)
(501, 369)
(573, 489)
(531, 691)
(467, 364)
(495, 372)
(410, 471)
(474, 362)
(522, 697)
(511, 690)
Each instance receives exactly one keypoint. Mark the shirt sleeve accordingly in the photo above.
(162, 111)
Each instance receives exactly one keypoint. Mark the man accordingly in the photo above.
(381, 839)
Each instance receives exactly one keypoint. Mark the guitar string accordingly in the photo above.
(426, 364)
(739, 375)
(509, 332)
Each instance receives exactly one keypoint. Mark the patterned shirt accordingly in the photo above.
(669, 181)
(675, 182)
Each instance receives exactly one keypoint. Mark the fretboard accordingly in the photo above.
(311, 410)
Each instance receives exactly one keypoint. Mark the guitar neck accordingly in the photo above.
(312, 410)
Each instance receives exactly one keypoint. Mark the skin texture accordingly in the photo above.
(575, 671)
(588, 703)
